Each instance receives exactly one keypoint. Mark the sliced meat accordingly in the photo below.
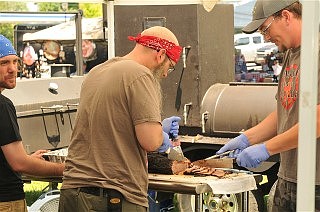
(159, 163)
(219, 173)
(179, 166)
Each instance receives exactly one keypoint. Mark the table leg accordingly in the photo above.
(53, 186)
(245, 201)
(198, 203)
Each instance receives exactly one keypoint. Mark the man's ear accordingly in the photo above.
(161, 56)
(286, 14)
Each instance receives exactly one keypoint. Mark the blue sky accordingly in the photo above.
(243, 13)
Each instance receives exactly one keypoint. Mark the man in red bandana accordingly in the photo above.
(118, 122)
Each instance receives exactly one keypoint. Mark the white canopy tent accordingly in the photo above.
(92, 28)
(17, 17)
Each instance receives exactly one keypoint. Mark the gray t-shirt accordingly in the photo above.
(288, 113)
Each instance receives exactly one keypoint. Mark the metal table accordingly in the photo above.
(186, 184)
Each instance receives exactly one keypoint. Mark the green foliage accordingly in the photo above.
(73, 6)
(237, 30)
(9, 6)
(6, 29)
(175, 204)
(91, 10)
(32, 196)
(34, 190)
(49, 7)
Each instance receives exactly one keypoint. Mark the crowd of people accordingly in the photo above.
(36, 58)
(272, 65)
(240, 63)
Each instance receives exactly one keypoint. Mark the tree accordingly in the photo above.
(49, 7)
(6, 29)
(89, 10)
(9, 6)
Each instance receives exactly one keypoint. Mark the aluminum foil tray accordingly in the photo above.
(57, 156)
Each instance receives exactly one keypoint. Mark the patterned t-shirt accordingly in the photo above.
(288, 113)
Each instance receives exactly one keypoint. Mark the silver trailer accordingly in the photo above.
(46, 110)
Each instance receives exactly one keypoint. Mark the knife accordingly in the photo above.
(175, 155)
(219, 155)
(235, 170)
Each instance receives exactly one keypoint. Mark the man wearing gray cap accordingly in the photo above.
(279, 21)
(13, 158)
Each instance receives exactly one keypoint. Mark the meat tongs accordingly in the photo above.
(219, 155)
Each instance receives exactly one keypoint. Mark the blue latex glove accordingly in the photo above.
(171, 126)
(238, 144)
(166, 144)
(252, 156)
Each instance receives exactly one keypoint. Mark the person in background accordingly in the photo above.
(243, 64)
(29, 60)
(13, 158)
(265, 66)
(240, 63)
(280, 22)
(93, 54)
(271, 61)
(276, 71)
(118, 121)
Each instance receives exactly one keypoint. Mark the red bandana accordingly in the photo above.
(173, 51)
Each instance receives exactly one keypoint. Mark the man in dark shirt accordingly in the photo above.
(13, 157)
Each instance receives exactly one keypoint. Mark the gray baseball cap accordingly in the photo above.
(262, 10)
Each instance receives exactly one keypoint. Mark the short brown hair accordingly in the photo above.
(295, 8)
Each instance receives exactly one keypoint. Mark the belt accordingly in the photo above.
(114, 197)
(97, 191)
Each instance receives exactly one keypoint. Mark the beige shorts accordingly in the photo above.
(14, 206)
